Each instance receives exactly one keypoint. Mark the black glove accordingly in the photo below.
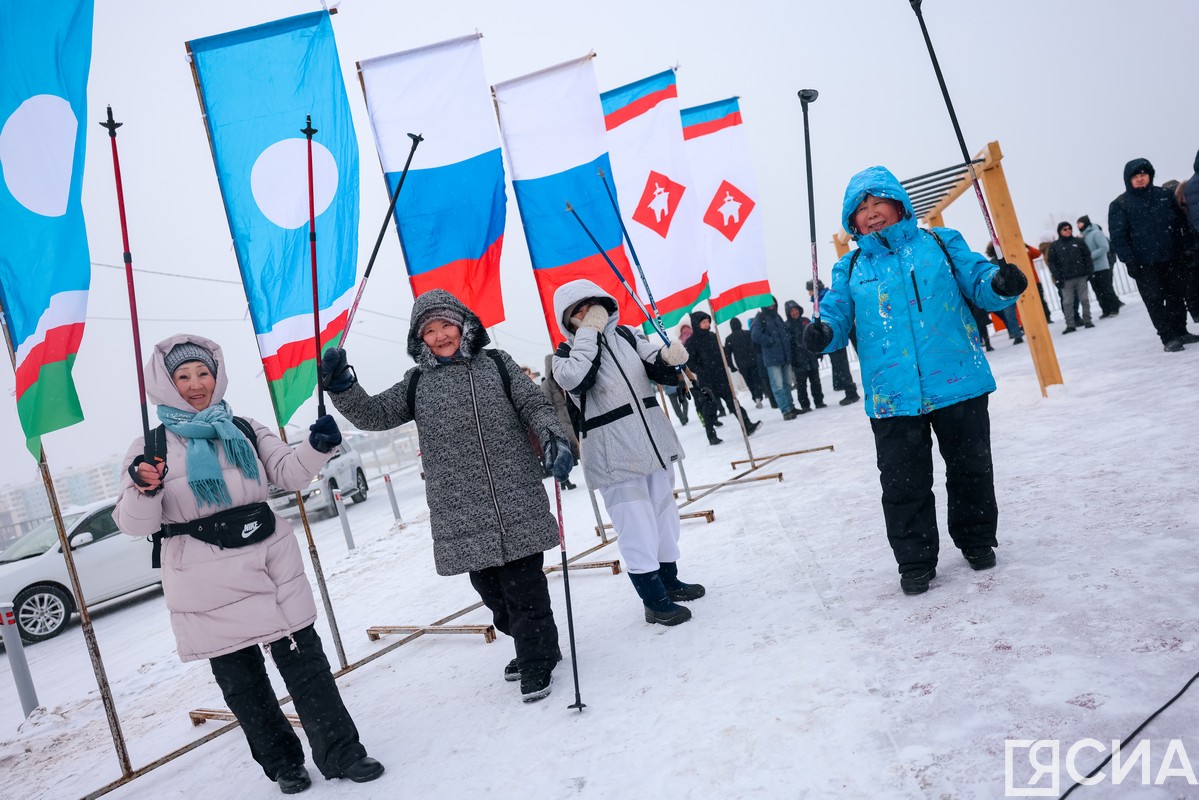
(1009, 281)
(324, 435)
(335, 374)
(817, 336)
(558, 458)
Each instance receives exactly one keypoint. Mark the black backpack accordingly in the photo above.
(158, 451)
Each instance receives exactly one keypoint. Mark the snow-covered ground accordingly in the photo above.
(805, 673)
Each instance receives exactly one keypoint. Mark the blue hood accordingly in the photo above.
(879, 182)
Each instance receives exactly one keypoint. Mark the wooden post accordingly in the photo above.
(935, 220)
(1011, 241)
(841, 243)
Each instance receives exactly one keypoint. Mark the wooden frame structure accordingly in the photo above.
(933, 192)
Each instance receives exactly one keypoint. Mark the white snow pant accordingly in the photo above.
(646, 520)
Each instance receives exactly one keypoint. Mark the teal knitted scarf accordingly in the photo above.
(201, 429)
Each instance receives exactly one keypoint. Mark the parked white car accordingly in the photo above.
(33, 573)
(343, 471)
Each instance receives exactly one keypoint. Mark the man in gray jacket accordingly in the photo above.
(1101, 264)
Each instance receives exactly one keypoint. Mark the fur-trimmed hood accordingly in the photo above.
(474, 335)
(571, 294)
(160, 388)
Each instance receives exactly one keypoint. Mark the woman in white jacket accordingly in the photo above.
(231, 569)
(628, 444)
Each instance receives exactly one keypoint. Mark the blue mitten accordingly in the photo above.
(558, 458)
(324, 435)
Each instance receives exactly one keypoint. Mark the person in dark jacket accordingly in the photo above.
(905, 290)
(739, 346)
(1069, 263)
(1101, 267)
(703, 359)
(488, 510)
(770, 333)
(805, 365)
(1148, 232)
(1190, 197)
(629, 447)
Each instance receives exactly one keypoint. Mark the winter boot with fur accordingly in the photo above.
(658, 607)
(676, 590)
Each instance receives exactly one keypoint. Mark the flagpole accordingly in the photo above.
(370, 264)
(85, 619)
(318, 573)
(111, 125)
(308, 132)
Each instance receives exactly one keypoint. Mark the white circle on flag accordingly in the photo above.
(279, 181)
(37, 154)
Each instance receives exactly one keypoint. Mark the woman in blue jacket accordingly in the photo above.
(923, 368)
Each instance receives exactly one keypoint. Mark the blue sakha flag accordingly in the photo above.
(45, 57)
(257, 87)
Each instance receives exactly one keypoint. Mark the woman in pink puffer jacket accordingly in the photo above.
(227, 596)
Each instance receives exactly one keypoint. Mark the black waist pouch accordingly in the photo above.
(237, 527)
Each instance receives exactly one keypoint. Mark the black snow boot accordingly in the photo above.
(916, 581)
(676, 590)
(361, 771)
(293, 780)
(980, 557)
(712, 437)
(658, 607)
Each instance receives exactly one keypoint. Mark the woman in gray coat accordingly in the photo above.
(488, 510)
(628, 444)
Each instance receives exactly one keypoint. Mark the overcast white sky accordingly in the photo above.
(1072, 89)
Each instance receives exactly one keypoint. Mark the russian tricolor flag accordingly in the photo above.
(553, 127)
(450, 213)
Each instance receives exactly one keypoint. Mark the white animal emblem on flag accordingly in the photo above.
(248, 529)
(660, 205)
(730, 209)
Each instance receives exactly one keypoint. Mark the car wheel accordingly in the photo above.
(42, 612)
(331, 509)
(361, 488)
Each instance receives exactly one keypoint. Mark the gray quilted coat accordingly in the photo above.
(626, 433)
(487, 504)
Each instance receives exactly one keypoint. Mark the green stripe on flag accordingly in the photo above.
(744, 304)
(296, 386)
(49, 404)
(672, 318)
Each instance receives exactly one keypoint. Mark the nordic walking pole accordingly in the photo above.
(633, 294)
(570, 619)
(636, 262)
(308, 132)
(112, 126)
(649, 294)
(807, 96)
(957, 129)
(370, 264)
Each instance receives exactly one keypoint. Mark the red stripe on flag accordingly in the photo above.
(293, 354)
(474, 281)
(683, 298)
(740, 293)
(60, 343)
(704, 128)
(639, 106)
(596, 270)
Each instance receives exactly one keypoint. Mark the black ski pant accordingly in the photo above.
(842, 374)
(1163, 287)
(680, 406)
(752, 380)
(518, 597)
(1101, 283)
(802, 378)
(904, 448)
(720, 390)
(301, 661)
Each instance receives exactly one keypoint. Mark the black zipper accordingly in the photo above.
(919, 305)
(636, 400)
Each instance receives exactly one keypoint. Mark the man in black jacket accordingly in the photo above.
(703, 358)
(1070, 265)
(1148, 231)
(804, 364)
(743, 358)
